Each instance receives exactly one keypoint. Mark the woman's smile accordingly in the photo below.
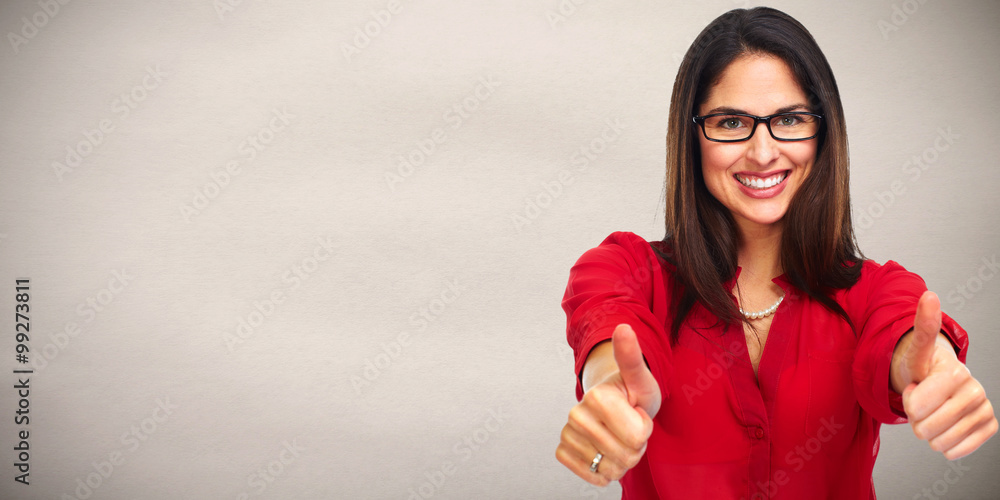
(763, 185)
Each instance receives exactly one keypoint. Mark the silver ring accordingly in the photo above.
(596, 462)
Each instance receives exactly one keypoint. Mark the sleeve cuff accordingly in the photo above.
(955, 334)
(651, 351)
(883, 387)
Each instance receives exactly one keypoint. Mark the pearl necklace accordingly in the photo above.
(762, 314)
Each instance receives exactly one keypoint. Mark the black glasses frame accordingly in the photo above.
(766, 120)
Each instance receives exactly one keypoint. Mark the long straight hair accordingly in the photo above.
(818, 248)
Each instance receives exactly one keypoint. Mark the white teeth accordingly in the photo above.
(758, 183)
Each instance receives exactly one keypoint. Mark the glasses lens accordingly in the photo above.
(728, 127)
(794, 126)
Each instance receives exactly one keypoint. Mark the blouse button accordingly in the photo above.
(758, 433)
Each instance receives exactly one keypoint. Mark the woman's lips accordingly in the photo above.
(756, 186)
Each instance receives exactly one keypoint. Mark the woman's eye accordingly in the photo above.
(731, 123)
(788, 121)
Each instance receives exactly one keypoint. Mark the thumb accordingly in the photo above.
(642, 388)
(926, 325)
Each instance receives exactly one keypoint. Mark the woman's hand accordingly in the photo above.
(944, 403)
(614, 417)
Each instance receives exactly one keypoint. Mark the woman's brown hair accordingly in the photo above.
(818, 248)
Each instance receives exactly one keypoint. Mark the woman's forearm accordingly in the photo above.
(599, 366)
(899, 374)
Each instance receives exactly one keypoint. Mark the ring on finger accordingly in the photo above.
(596, 462)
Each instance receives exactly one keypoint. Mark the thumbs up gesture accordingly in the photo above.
(945, 404)
(615, 416)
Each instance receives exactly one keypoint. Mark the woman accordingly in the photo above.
(679, 396)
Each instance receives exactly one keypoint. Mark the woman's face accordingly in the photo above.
(758, 85)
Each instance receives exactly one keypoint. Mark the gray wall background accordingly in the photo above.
(425, 353)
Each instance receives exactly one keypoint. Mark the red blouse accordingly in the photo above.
(806, 427)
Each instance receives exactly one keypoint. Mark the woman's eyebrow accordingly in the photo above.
(793, 107)
(729, 110)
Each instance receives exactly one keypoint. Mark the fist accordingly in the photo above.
(615, 416)
(945, 404)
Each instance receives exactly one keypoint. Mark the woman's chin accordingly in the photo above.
(762, 220)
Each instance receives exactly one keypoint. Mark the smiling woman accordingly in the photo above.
(754, 352)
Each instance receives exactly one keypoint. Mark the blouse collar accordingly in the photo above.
(781, 280)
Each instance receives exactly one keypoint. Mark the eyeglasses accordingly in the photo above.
(736, 127)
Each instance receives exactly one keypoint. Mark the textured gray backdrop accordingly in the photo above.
(317, 249)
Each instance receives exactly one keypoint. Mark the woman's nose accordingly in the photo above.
(762, 148)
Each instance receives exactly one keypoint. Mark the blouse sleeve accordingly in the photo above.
(887, 313)
(620, 281)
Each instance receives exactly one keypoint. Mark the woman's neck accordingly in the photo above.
(759, 251)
